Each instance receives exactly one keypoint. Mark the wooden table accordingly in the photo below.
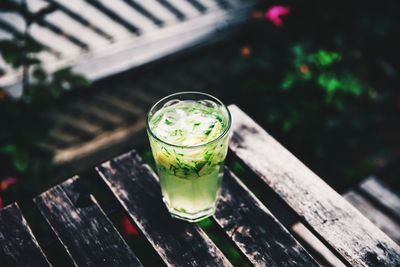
(90, 238)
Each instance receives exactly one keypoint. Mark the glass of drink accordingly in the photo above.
(188, 135)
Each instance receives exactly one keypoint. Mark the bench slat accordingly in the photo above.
(344, 228)
(177, 242)
(323, 254)
(94, 17)
(386, 224)
(158, 10)
(18, 246)
(382, 194)
(257, 233)
(82, 227)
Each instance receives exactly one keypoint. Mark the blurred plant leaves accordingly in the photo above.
(24, 126)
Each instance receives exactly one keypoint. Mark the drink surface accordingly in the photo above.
(188, 123)
(190, 155)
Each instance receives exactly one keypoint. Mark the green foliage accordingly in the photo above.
(320, 67)
(23, 125)
(321, 92)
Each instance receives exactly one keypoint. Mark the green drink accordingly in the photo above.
(188, 135)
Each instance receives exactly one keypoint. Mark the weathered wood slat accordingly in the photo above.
(198, 5)
(82, 20)
(14, 19)
(95, 17)
(209, 3)
(144, 98)
(129, 14)
(142, 10)
(95, 111)
(257, 233)
(343, 227)
(177, 242)
(36, 5)
(82, 227)
(75, 122)
(380, 219)
(4, 35)
(380, 193)
(99, 5)
(54, 41)
(18, 246)
(158, 10)
(386, 224)
(179, 15)
(121, 104)
(323, 253)
(185, 7)
(133, 134)
(63, 137)
(68, 24)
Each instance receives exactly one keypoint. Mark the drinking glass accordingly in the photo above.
(190, 176)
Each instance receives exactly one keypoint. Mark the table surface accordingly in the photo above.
(91, 239)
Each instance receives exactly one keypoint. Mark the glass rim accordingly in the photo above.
(220, 136)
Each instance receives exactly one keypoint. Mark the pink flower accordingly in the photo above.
(6, 183)
(275, 13)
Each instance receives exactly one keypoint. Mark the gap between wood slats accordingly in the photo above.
(18, 245)
(179, 243)
(94, 17)
(106, 199)
(258, 234)
(82, 227)
(48, 240)
(283, 213)
(377, 217)
(383, 196)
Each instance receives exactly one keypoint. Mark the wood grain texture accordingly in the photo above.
(380, 219)
(335, 220)
(257, 233)
(18, 246)
(82, 227)
(177, 242)
(323, 253)
(383, 195)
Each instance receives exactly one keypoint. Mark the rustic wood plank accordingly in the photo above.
(185, 7)
(166, 4)
(335, 220)
(95, 17)
(103, 142)
(324, 255)
(88, 128)
(383, 195)
(158, 10)
(177, 242)
(120, 103)
(257, 233)
(82, 227)
(18, 246)
(63, 137)
(68, 24)
(130, 14)
(88, 109)
(385, 223)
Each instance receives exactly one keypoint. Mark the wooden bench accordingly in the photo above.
(91, 239)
